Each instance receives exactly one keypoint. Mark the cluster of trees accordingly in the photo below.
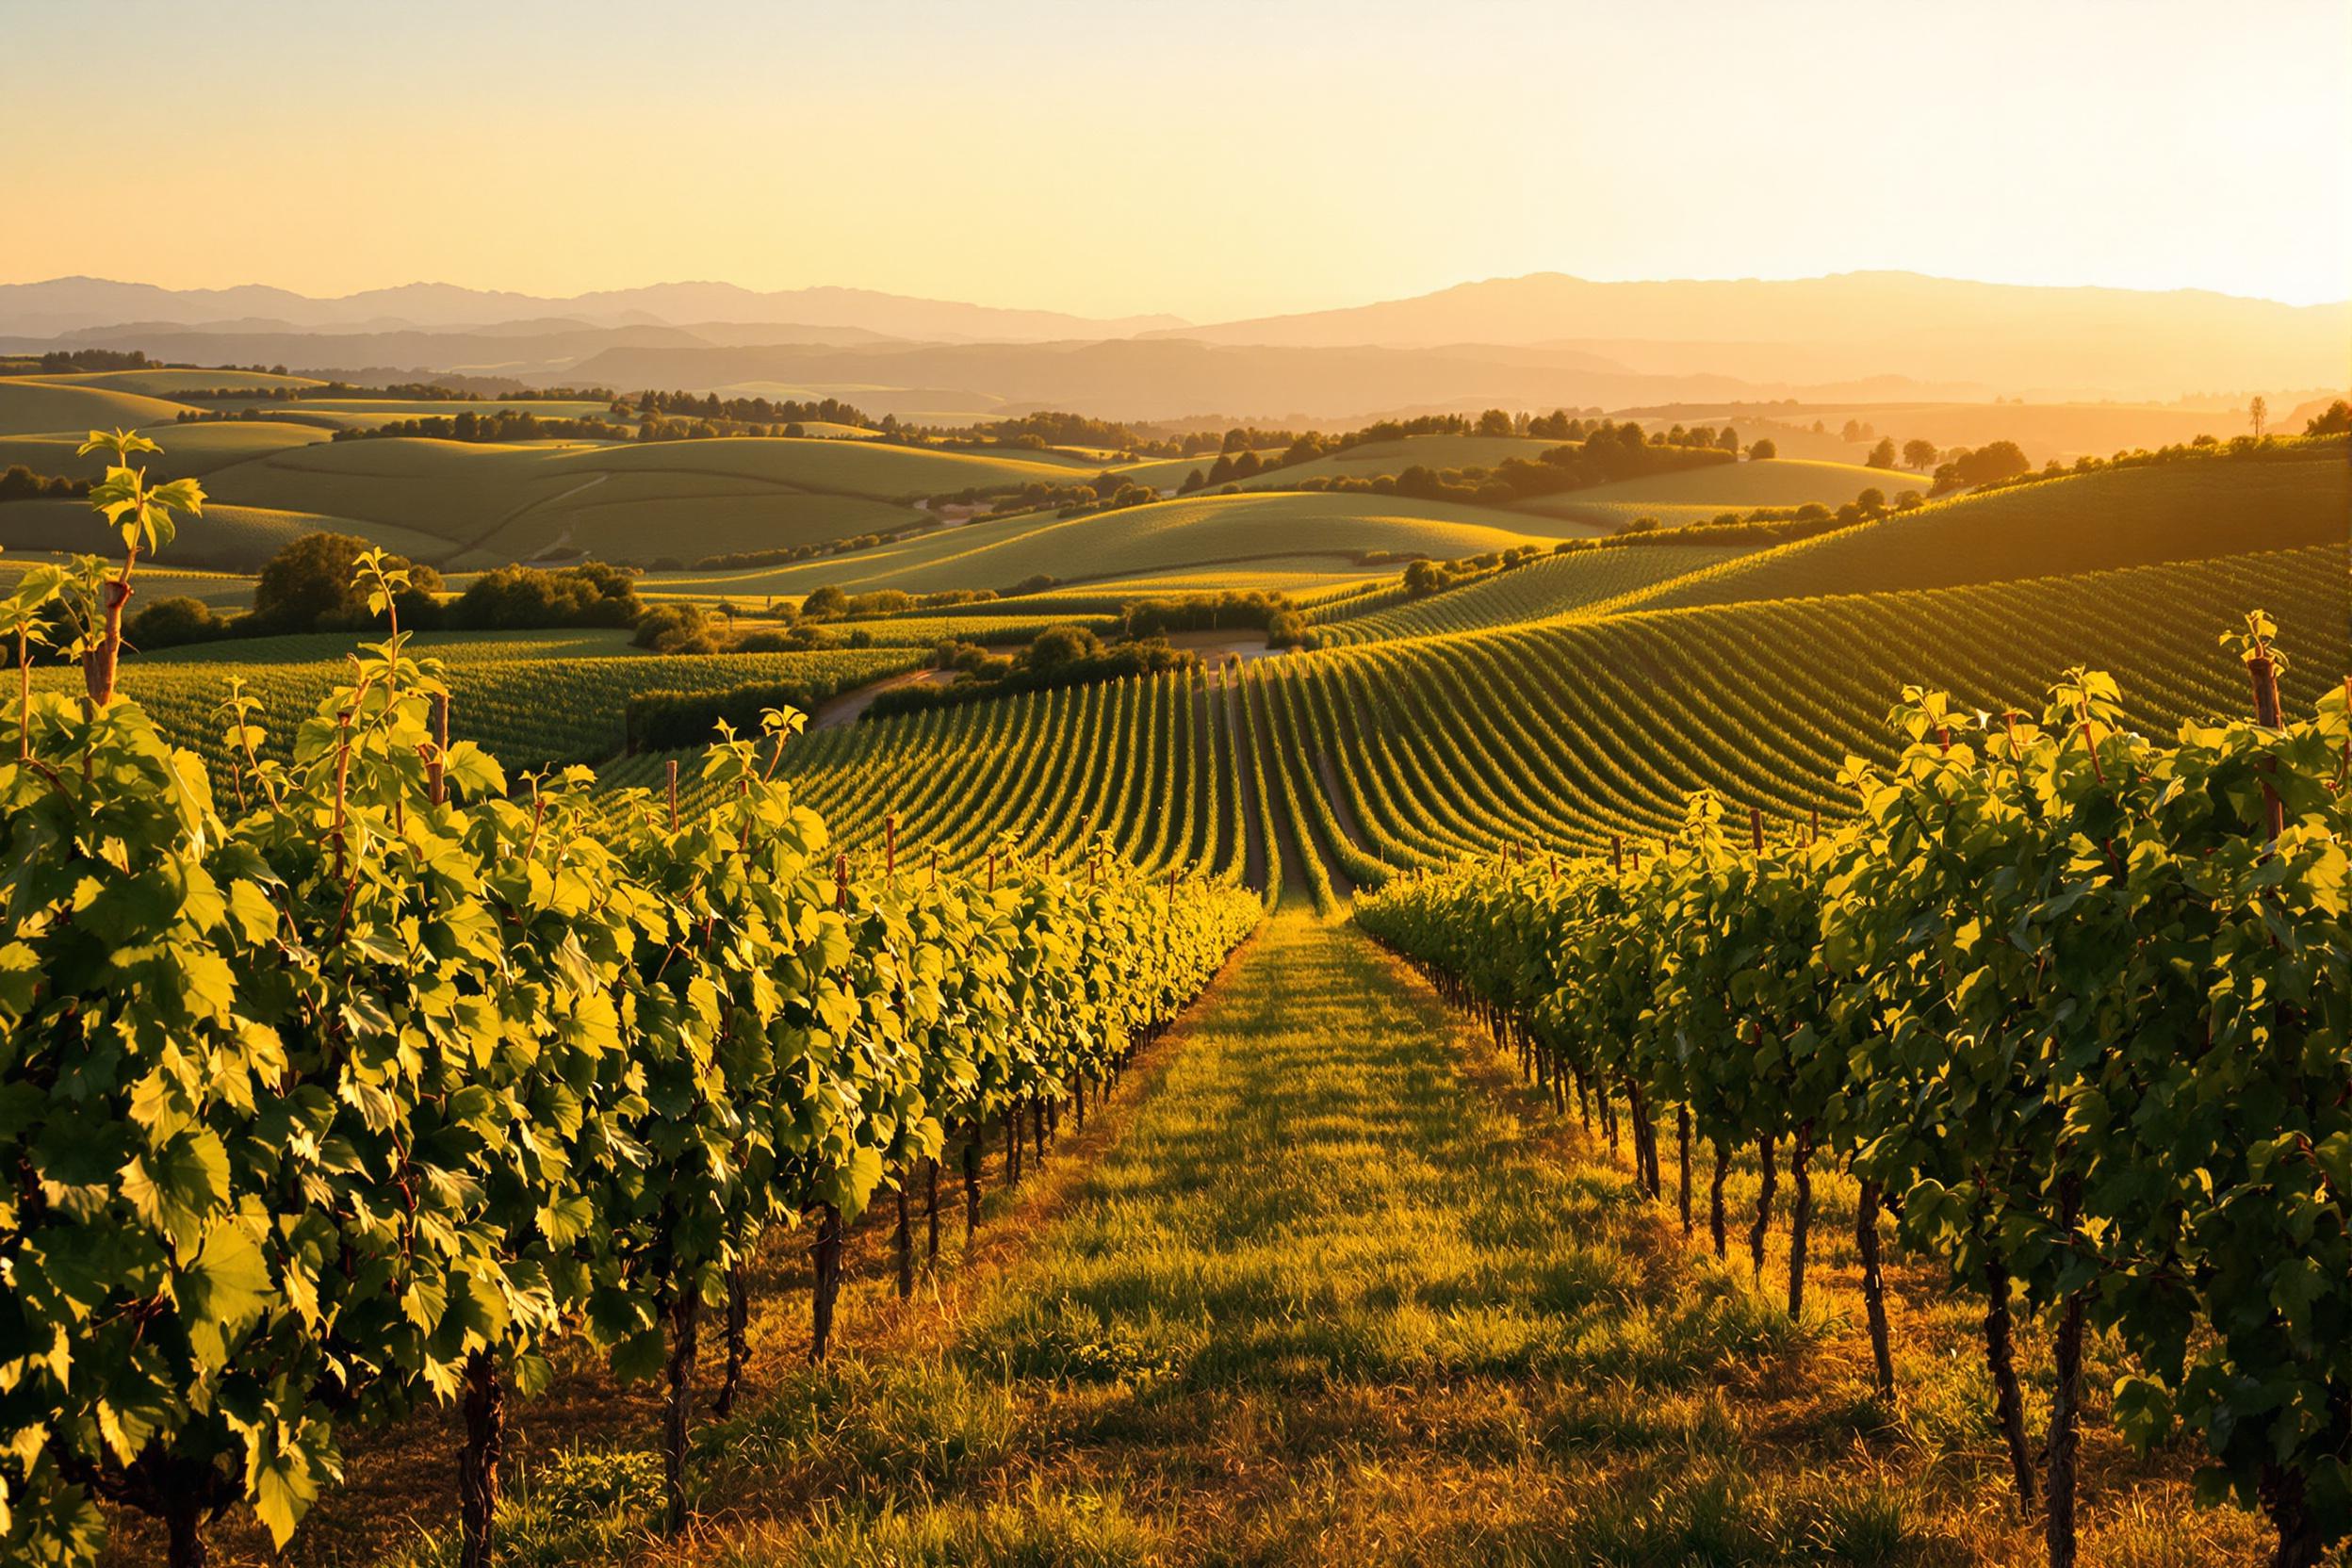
(405, 391)
(20, 484)
(499, 425)
(1059, 656)
(58, 362)
(1424, 578)
(1054, 428)
(2204, 449)
(2336, 420)
(1963, 468)
(307, 586)
(745, 411)
(831, 603)
(784, 555)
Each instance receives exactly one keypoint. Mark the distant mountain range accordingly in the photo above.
(1542, 340)
(63, 305)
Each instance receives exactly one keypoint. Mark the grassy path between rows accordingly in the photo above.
(1320, 1295)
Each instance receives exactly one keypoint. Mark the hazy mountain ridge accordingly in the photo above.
(1546, 340)
(2016, 339)
(60, 305)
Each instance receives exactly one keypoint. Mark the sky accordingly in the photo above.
(1208, 158)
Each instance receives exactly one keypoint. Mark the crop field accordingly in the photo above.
(490, 502)
(2169, 512)
(1556, 585)
(534, 702)
(1329, 1223)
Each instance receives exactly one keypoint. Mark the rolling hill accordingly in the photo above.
(1699, 495)
(1197, 537)
(487, 503)
(188, 450)
(31, 405)
(2182, 510)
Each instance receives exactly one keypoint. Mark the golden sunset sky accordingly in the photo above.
(1206, 159)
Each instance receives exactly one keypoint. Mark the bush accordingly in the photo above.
(169, 623)
(669, 721)
(517, 598)
(677, 628)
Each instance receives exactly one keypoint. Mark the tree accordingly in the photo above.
(1422, 577)
(1495, 422)
(1987, 465)
(1057, 645)
(1763, 450)
(309, 586)
(2258, 415)
(1918, 454)
(2337, 420)
(1882, 455)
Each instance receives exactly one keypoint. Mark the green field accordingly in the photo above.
(1556, 585)
(1558, 734)
(1162, 544)
(489, 502)
(367, 413)
(197, 449)
(30, 405)
(226, 537)
(534, 699)
(2170, 512)
(1698, 495)
(156, 381)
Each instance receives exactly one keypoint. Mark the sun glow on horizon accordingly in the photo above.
(1210, 161)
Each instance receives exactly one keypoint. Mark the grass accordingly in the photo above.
(1336, 1291)
(1724, 487)
(31, 404)
(226, 538)
(188, 450)
(1696, 494)
(156, 382)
